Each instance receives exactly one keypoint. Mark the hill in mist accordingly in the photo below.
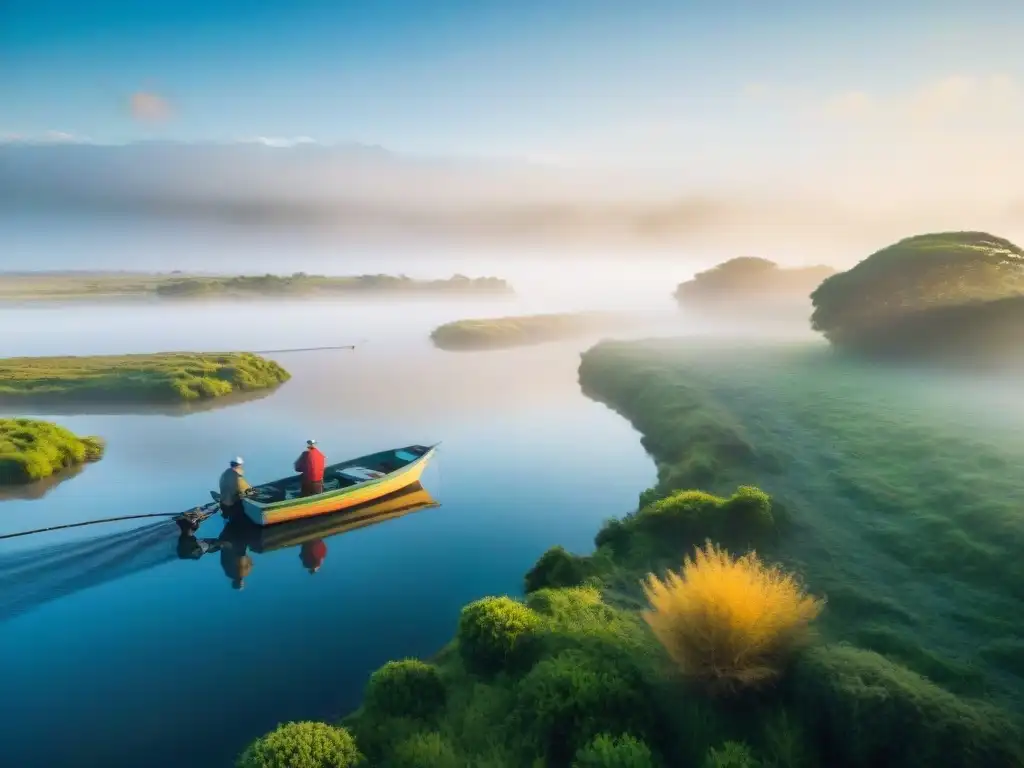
(752, 282)
(950, 295)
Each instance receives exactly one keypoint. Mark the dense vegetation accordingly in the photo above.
(890, 529)
(751, 280)
(32, 450)
(504, 332)
(945, 293)
(159, 378)
(70, 285)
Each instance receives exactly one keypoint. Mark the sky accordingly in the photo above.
(896, 100)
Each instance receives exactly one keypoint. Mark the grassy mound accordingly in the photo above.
(171, 377)
(894, 498)
(927, 295)
(504, 332)
(32, 450)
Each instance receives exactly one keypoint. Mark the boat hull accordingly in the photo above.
(338, 500)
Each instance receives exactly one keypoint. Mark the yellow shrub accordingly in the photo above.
(729, 622)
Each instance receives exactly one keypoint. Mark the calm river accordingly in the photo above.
(170, 666)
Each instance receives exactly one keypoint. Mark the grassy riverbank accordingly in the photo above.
(59, 286)
(900, 519)
(32, 450)
(522, 330)
(173, 377)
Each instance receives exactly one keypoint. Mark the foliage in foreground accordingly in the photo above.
(503, 332)
(573, 672)
(159, 378)
(302, 745)
(31, 450)
(729, 623)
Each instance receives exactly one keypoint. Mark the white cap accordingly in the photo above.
(311, 442)
(237, 460)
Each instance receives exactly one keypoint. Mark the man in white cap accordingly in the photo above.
(310, 465)
(232, 486)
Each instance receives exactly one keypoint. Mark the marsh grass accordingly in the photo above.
(32, 450)
(516, 331)
(173, 377)
(730, 623)
(903, 495)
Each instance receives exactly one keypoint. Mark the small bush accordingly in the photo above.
(407, 688)
(31, 450)
(424, 750)
(570, 698)
(727, 622)
(685, 518)
(556, 568)
(606, 751)
(731, 754)
(302, 745)
(871, 712)
(497, 633)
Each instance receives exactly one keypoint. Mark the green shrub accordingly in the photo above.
(570, 698)
(683, 519)
(556, 568)
(302, 745)
(606, 751)
(424, 750)
(407, 688)
(31, 450)
(869, 711)
(497, 633)
(731, 754)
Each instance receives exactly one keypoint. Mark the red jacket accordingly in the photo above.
(311, 465)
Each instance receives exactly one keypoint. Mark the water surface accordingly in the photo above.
(170, 666)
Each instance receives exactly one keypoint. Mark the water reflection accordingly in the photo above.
(66, 406)
(240, 538)
(39, 489)
(30, 578)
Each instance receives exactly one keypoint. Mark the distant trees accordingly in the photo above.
(749, 277)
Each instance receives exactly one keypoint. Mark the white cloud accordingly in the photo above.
(47, 137)
(278, 141)
(945, 102)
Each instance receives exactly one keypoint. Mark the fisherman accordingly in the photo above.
(310, 465)
(233, 486)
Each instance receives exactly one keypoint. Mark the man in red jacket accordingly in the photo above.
(310, 465)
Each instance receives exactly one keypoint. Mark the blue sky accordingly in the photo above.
(617, 82)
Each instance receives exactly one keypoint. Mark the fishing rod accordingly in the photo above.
(300, 349)
(194, 516)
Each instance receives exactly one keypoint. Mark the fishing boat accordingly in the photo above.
(346, 485)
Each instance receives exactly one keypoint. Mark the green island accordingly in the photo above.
(32, 450)
(58, 286)
(749, 279)
(172, 377)
(826, 574)
(523, 330)
(946, 295)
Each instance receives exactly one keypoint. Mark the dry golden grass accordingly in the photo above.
(729, 623)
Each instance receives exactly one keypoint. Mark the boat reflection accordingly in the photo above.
(240, 538)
